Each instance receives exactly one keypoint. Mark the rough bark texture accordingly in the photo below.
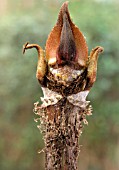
(62, 116)
(61, 124)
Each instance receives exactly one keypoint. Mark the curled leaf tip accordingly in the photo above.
(99, 49)
(24, 47)
(96, 51)
(92, 65)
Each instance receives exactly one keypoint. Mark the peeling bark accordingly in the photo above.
(61, 124)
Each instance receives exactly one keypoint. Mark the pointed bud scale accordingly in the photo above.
(66, 42)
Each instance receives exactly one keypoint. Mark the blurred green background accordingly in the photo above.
(32, 20)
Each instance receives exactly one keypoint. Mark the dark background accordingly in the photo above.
(32, 20)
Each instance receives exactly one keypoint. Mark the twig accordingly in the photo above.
(66, 75)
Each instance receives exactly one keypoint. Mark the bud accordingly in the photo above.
(66, 43)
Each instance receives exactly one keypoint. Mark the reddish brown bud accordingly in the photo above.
(67, 47)
(66, 42)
